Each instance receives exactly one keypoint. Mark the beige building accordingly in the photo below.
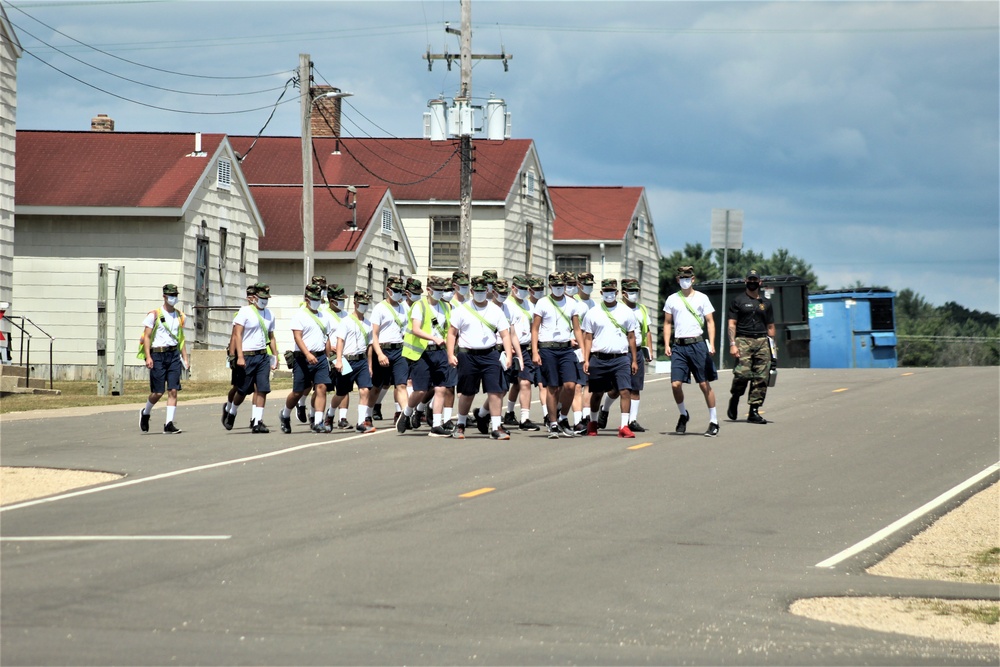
(10, 51)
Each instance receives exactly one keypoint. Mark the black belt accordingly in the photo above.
(301, 355)
(472, 350)
(355, 357)
(172, 348)
(255, 353)
(392, 346)
(752, 337)
(498, 348)
(608, 355)
(554, 345)
(432, 347)
(688, 341)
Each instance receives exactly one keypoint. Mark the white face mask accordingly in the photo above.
(463, 290)
(396, 296)
(632, 296)
(447, 295)
(262, 303)
(538, 293)
(436, 294)
(685, 283)
(341, 304)
(362, 308)
(521, 294)
(570, 290)
(479, 297)
(171, 300)
(314, 305)
(557, 292)
(586, 290)
(415, 297)
(609, 297)
(501, 298)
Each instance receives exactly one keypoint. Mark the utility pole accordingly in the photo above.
(463, 103)
(305, 96)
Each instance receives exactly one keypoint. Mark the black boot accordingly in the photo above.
(734, 401)
(755, 417)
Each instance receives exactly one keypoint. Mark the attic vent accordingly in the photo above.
(386, 221)
(225, 174)
(530, 184)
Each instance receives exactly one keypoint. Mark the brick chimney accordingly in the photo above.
(325, 116)
(102, 123)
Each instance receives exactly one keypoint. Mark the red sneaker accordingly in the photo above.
(625, 432)
(591, 428)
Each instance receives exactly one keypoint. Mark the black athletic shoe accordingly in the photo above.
(682, 423)
(300, 414)
(509, 419)
(554, 432)
(566, 430)
(713, 430)
(286, 423)
(581, 427)
(416, 418)
(320, 428)
(143, 422)
(260, 427)
(636, 427)
(732, 412)
(528, 425)
(482, 421)
(439, 432)
(500, 434)
(602, 419)
(377, 412)
(225, 413)
(343, 424)
(448, 426)
(402, 423)
(754, 417)
(170, 429)
(230, 420)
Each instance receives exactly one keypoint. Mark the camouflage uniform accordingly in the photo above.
(752, 368)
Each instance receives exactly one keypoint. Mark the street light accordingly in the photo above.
(307, 177)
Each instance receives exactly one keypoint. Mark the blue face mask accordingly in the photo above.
(415, 297)
(396, 296)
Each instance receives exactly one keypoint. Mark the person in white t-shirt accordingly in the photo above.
(687, 315)
(311, 371)
(165, 355)
(253, 337)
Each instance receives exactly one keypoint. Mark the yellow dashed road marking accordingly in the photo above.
(477, 492)
(640, 445)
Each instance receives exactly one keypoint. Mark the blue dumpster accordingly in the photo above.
(852, 328)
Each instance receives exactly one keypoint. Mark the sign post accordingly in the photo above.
(727, 232)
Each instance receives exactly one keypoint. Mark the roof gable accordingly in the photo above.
(110, 169)
(593, 212)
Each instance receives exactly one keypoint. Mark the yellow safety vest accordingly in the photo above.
(413, 345)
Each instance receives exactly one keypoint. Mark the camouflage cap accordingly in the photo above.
(585, 278)
(557, 279)
(630, 285)
(569, 277)
(478, 283)
(170, 290)
(685, 272)
(490, 275)
(414, 286)
(263, 289)
(251, 290)
(318, 280)
(314, 292)
(438, 282)
(335, 291)
(536, 282)
(397, 283)
(460, 278)
(362, 296)
(520, 281)
(500, 286)
(752, 273)
(609, 283)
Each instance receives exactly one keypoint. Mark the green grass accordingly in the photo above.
(78, 394)
(987, 615)
(988, 558)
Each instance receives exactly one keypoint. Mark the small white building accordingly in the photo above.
(165, 207)
(10, 51)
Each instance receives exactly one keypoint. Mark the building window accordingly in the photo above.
(444, 242)
(640, 227)
(386, 221)
(575, 263)
(243, 253)
(529, 184)
(225, 174)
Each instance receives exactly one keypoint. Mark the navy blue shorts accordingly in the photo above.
(475, 370)
(430, 370)
(166, 371)
(608, 374)
(559, 365)
(529, 371)
(639, 379)
(359, 375)
(688, 360)
(397, 372)
(256, 375)
(306, 376)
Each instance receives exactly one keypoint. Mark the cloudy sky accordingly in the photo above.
(861, 136)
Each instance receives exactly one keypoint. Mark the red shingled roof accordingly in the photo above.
(109, 169)
(594, 213)
(414, 169)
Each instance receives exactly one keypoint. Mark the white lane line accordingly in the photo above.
(111, 538)
(909, 518)
(176, 473)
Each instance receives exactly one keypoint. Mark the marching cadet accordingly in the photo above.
(253, 334)
(424, 347)
(520, 310)
(311, 331)
(336, 310)
(555, 327)
(165, 354)
(644, 342)
(389, 367)
(472, 349)
(501, 294)
(236, 373)
(353, 362)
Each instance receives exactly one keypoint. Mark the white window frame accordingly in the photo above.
(436, 261)
(224, 174)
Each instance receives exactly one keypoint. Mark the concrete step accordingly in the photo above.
(7, 370)
(29, 390)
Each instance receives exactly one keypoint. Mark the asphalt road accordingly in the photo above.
(227, 548)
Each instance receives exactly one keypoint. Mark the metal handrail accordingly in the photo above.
(25, 351)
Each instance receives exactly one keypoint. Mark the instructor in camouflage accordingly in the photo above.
(750, 324)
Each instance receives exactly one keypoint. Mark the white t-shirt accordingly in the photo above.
(437, 313)
(253, 337)
(556, 319)
(520, 319)
(355, 334)
(314, 338)
(167, 332)
(608, 336)
(472, 332)
(391, 321)
(685, 324)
